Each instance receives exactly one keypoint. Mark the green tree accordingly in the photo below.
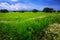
(48, 10)
(4, 10)
(34, 10)
(58, 11)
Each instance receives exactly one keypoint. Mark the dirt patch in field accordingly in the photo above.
(51, 33)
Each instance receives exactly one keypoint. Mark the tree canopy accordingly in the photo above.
(34, 10)
(48, 10)
(4, 10)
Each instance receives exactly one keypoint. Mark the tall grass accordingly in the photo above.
(29, 30)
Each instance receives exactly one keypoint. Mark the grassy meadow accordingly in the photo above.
(24, 26)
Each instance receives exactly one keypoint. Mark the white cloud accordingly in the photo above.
(12, 6)
(19, 6)
(14, 0)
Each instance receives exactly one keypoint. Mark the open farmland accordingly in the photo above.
(24, 26)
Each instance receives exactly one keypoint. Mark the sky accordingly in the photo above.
(29, 4)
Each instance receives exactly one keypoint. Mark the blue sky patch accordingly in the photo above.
(29, 4)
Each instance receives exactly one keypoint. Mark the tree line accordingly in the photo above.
(34, 10)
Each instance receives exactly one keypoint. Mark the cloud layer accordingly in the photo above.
(29, 4)
(19, 6)
(14, 0)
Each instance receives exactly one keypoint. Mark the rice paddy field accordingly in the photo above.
(24, 26)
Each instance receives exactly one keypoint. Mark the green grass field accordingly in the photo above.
(22, 26)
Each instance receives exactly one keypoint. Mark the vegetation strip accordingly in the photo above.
(24, 20)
